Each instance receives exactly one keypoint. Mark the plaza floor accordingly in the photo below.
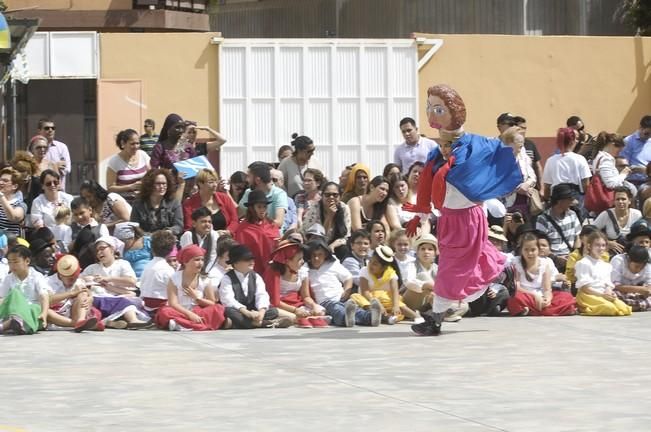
(482, 374)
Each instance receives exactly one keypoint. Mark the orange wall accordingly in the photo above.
(178, 72)
(604, 80)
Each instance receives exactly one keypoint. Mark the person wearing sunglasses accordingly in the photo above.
(149, 139)
(46, 205)
(57, 152)
(333, 215)
(293, 168)
(584, 141)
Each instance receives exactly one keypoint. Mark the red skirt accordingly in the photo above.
(562, 304)
(213, 317)
(293, 299)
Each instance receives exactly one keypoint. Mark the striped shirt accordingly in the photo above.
(5, 223)
(128, 174)
(147, 143)
(570, 226)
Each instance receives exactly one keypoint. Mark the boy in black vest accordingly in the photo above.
(244, 295)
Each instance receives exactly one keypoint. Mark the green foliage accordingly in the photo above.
(637, 13)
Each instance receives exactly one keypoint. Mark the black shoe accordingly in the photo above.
(16, 325)
(431, 326)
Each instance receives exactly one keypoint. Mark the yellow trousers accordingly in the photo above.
(383, 297)
(598, 306)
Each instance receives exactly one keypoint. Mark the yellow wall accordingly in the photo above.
(604, 80)
(178, 71)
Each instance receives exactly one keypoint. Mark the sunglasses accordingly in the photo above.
(52, 183)
(49, 128)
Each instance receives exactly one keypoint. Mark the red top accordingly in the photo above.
(225, 204)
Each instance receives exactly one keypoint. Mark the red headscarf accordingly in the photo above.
(189, 252)
(285, 251)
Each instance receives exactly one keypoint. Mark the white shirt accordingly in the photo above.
(603, 222)
(545, 265)
(155, 277)
(227, 295)
(293, 174)
(593, 273)
(186, 240)
(622, 275)
(185, 300)
(56, 152)
(604, 165)
(119, 268)
(405, 155)
(33, 286)
(327, 281)
(416, 275)
(566, 168)
(63, 233)
(288, 287)
(216, 274)
(528, 174)
(45, 210)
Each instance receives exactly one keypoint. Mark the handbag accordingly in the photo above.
(597, 196)
(536, 205)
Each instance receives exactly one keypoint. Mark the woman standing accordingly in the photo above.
(224, 213)
(128, 167)
(38, 148)
(215, 142)
(172, 146)
(374, 204)
(158, 207)
(567, 166)
(294, 167)
(47, 204)
(12, 207)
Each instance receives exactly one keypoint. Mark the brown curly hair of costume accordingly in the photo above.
(147, 185)
(24, 163)
(452, 101)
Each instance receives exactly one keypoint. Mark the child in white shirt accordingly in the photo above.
(631, 276)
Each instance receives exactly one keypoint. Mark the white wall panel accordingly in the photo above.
(63, 55)
(348, 95)
(234, 80)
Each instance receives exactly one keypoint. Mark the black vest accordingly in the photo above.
(246, 300)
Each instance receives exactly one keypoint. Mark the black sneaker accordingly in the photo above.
(16, 325)
(431, 326)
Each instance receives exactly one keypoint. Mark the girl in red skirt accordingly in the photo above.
(190, 297)
(287, 283)
(534, 295)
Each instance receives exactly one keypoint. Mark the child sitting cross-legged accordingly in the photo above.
(191, 303)
(595, 296)
(380, 280)
(332, 283)
(288, 286)
(631, 276)
(244, 294)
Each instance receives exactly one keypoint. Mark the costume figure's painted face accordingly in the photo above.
(438, 114)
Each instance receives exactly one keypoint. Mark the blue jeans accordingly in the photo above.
(337, 311)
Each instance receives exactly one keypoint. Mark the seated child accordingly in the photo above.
(595, 289)
(62, 230)
(534, 295)
(579, 253)
(24, 295)
(203, 236)
(404, 255)
(631, 276)
(331, 284)
(380, 280)
(244, 294)
(288, 286)
(360, 241)
(157, 273)
(224, 244)
(191, 303)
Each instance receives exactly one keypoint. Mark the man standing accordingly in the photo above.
(585, 141)
(149, 139)
(415, 148)
(57, 152)
(638, 151)
(531, 149)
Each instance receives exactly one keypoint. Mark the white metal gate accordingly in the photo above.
(348, 95)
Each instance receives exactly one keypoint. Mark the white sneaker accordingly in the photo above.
(392, 320)
(419, 320)
(174, 326)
